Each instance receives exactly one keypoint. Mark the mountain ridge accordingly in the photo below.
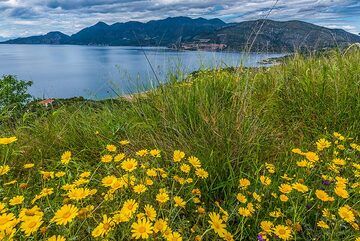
(257, 35)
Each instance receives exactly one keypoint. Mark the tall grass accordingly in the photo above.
(232, 120)
(237, 122)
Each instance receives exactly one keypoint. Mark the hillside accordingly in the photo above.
(49, 38)
(274, 36)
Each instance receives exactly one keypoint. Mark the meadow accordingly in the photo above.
(245, 154)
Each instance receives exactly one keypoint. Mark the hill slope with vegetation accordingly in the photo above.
(260, 35)
(227, 154)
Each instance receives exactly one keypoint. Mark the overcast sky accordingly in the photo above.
(30, 17)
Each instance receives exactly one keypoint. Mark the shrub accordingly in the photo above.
(13, 95)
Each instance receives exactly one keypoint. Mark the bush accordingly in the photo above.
(13, 96)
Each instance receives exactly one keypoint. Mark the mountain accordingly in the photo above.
(158, 33)
(260, 35)
(276, 36)
(49, 38)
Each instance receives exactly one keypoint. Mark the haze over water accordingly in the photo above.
(66, 71)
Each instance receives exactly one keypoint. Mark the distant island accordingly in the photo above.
(183, 33)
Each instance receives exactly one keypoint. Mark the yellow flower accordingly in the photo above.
(65, 214)
(56, 238)
(30, 213)
(201, 173)
(119, 157)
(81, 181)
(31, 225)
(160, 225)
(155, 153)
(322, 224)
(174, 236)
(124, 142)
(300, 187)
(85, 174)
(46, 192)
(179, 202)
(185, 168)
(130, 206)
(217, 224)
(341, 182)
(283, 198)
(341, 192)
(178, 156)
(151, 172)
(283, 232)
(257, 197)
(270, 167)
(286, 177)
(16, 200)
(338, 136)
(322, 144)
(228, 236)
(111, 148)
(7, 140)
(201, 210)
(297, 151)
(47, 175)
(106, 158)
(150, 212)
(276, 214)
(79, 193)
(241, 198)
(149, 182)
(140, 188)
(346, 214)
(244, 183)
(7, 220)
(194, 161)
(312, 156)
(265, 180)
(323, 196)
(304, 163)
(266, 226)
(66, 157)
(339, 161)
(285, 188)
(162, 197)
(245, 212)
(2, 207)
(60, 174)
(141, 229)
(4, 169)
(108, 181)
(142, 153)
(103, 228)
(129, 165)
(29, 165)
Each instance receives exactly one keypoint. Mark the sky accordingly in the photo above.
(19, 18)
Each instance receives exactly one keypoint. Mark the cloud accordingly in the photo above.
(69, 16)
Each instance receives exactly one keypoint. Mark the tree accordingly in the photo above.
(13, 95)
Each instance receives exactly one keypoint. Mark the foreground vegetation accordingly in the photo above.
(207, 159)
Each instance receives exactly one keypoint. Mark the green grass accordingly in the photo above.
(231, 120)
(234, 121)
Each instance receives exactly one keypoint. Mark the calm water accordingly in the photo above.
(101, 72)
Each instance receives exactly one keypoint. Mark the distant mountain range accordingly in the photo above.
(260, 35)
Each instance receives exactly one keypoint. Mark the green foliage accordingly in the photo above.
(233, 120)
(13, 95)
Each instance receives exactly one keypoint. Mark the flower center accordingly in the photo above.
(142, 229)
(67, 215)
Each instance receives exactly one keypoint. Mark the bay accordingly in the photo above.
(65, 71)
